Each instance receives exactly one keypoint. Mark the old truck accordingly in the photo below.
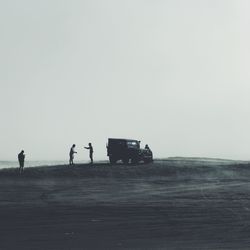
(127, 150)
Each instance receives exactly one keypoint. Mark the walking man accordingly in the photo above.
(21, 157)
(91, 151)
(71, 154)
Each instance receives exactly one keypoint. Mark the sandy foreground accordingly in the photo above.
(169, 204)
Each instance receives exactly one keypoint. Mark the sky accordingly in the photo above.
(173, 74)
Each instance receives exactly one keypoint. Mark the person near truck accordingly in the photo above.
(71, 154)
(91, 151)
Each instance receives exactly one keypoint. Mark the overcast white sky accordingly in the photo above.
(173, 74)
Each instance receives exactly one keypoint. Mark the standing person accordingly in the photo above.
(21, 157)
(71, 154)
(91, 151)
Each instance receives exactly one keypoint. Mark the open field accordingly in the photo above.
(170, 204)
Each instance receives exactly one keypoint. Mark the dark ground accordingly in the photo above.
(169, 204)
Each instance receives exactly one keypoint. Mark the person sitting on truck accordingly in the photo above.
(147, 147)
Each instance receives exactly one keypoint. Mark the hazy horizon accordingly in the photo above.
(173, 74)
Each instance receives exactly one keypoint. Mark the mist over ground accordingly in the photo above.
(173, 74)
(172, 204)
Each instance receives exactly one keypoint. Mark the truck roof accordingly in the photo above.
(122, 139)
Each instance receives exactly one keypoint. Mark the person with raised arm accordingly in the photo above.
(91, 151)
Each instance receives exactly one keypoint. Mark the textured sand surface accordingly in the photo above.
(169, 204)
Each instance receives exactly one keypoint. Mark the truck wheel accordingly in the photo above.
(125, 160)
(134, 161)
(112, 160)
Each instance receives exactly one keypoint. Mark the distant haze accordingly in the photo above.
(173, 74)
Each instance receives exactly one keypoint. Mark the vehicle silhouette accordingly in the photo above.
(127, 150)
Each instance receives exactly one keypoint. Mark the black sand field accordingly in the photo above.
(169, 204)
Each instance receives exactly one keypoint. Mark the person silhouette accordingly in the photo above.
(147, 147)
(91, 151)
(21, 157)
(71, 154)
